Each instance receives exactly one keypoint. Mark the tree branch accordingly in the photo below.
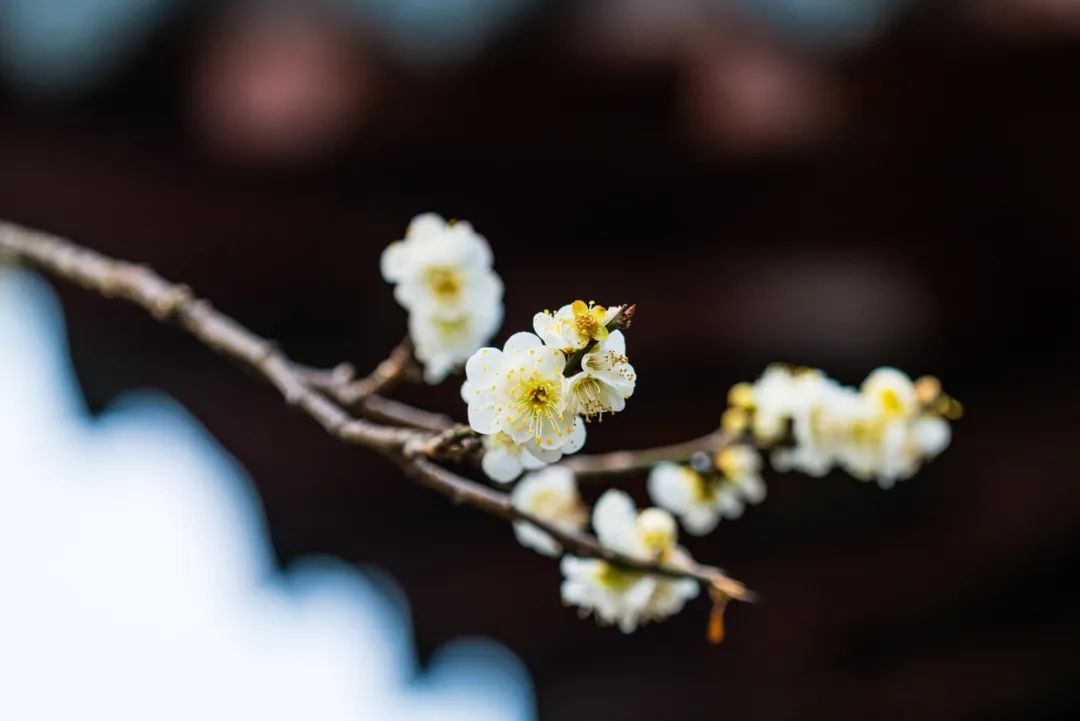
(174, 302)
(362, 395)
(628, 462)
(321, 394)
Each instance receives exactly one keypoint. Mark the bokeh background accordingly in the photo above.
(841, 183)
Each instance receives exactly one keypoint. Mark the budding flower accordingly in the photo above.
(443, 277)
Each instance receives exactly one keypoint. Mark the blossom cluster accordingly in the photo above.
(531, 399)
(614, 595)
(623, 597)
(442, 271)
(883, 430)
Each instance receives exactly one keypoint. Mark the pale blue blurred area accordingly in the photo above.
(826, 24)
(439, 31)
(55, 47)
(63, 46)
(138, 584)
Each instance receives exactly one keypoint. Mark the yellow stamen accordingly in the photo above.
(735, 420)
(927, 390)
(445, 282)
(741, 395)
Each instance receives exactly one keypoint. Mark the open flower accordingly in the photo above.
(520, 391)
(699, 499)
(890, 393)
(572, 327)
(443, 342)
(550, 495)
(441, 266)
(624, 597)
(443, 277)
(605, 381)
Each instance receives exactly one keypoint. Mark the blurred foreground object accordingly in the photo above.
(280, 85)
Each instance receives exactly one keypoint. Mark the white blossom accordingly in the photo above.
(572, 327)
(623, 597)
(443, 277)
(889, 394)
(550, 495)
(520, 391)
(879, 431)
(605, 381)
(699, 499)
(443, 342)
(441, 266)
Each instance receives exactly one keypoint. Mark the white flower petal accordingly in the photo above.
(577, 437)
(615, 521)
(521, 342)
(484, 418)
(501, 464)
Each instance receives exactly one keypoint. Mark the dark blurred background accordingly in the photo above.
(841, 183)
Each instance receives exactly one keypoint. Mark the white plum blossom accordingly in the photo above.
(442, 265)
(530, 399)
(443, 276)
(572, 327)
(612, 595)
(444, 342)
(890, 393)
(880, 431)
(550, 495)
(520, 391)
(605, 381)
(701, 499)
(623, 597)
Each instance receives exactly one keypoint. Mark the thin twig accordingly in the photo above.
(407, 446)
(341, 384)
(627, 462)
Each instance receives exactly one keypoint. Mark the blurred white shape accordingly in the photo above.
(137, 582)
(57, 46)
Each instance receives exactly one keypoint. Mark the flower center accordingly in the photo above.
(588, 321)
(536, 399)
(890, 401)
(590, 398)
(444, 282)
(585, 324)
(451, 327)
(614, 578)
(703, 489)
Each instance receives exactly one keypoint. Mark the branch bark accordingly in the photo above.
(323, 395)
(628, 462)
